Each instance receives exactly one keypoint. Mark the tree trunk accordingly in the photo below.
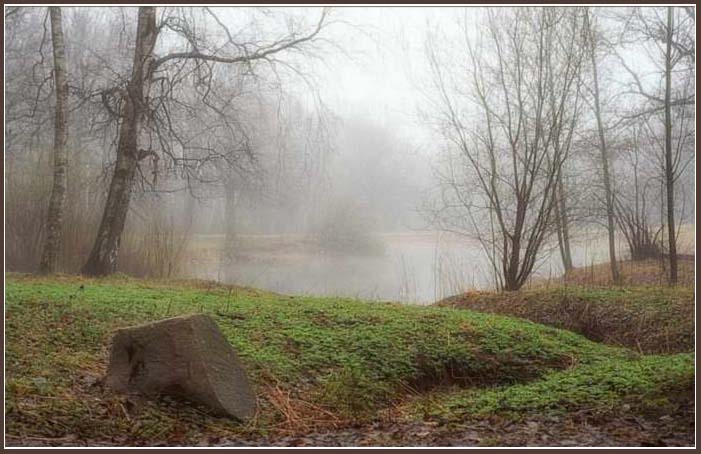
(230, 203)
(52, 243)
(669, 171)
(563, 234)
(103, 257)
(511, 266)
(610, 203)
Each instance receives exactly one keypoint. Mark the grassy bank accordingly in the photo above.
(649, 319)
(315, 362)
(650, 383)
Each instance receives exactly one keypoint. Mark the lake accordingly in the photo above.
(416, 267)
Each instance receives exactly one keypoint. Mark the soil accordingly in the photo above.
(624, 428)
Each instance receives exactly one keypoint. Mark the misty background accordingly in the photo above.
(333, 173)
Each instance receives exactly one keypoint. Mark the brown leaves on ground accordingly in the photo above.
(624, 428)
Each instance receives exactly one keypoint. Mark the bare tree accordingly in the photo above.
(669, 172)
(562, 221)
(632, 210)
(103, 257)
(52, 242)
(502, 186)
(679, 49)
(592, 41)
(562, 142)
(139, 107)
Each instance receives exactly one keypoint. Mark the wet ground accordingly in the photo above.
(581, 429)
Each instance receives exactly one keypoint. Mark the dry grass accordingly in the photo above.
(644, 312)
(650, 319)
(644, 272)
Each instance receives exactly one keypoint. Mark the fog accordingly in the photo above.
(352, 163)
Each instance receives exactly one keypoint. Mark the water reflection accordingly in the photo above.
(415, 267)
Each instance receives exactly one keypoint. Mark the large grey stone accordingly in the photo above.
(186, 357)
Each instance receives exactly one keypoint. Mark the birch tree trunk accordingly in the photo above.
(52, 243)
(103, 257)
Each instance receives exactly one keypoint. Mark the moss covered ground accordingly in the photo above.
(316, 364)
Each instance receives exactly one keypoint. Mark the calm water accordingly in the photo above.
(415, 268)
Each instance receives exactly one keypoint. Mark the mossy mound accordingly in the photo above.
(649, 383)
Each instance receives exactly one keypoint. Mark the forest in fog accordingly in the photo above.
(141, 140)
(245, 226)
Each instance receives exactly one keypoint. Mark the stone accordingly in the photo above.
(186, 357)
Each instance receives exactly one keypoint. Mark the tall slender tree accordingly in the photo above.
(669, 172)
(562, 227)
(52, 243)
(605, 167)
(675, 38)
(103, 257)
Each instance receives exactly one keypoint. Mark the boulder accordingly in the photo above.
(186, 357)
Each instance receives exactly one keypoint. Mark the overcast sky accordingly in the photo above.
(381, 76)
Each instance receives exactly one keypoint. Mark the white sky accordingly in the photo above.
(381, 77)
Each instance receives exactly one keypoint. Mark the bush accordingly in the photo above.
(342, 229)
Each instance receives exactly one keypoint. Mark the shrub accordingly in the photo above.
(343, 229)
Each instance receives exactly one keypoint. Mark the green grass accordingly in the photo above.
(650, 383)
(310, 359)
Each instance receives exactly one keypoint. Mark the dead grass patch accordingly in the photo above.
(647, 319)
